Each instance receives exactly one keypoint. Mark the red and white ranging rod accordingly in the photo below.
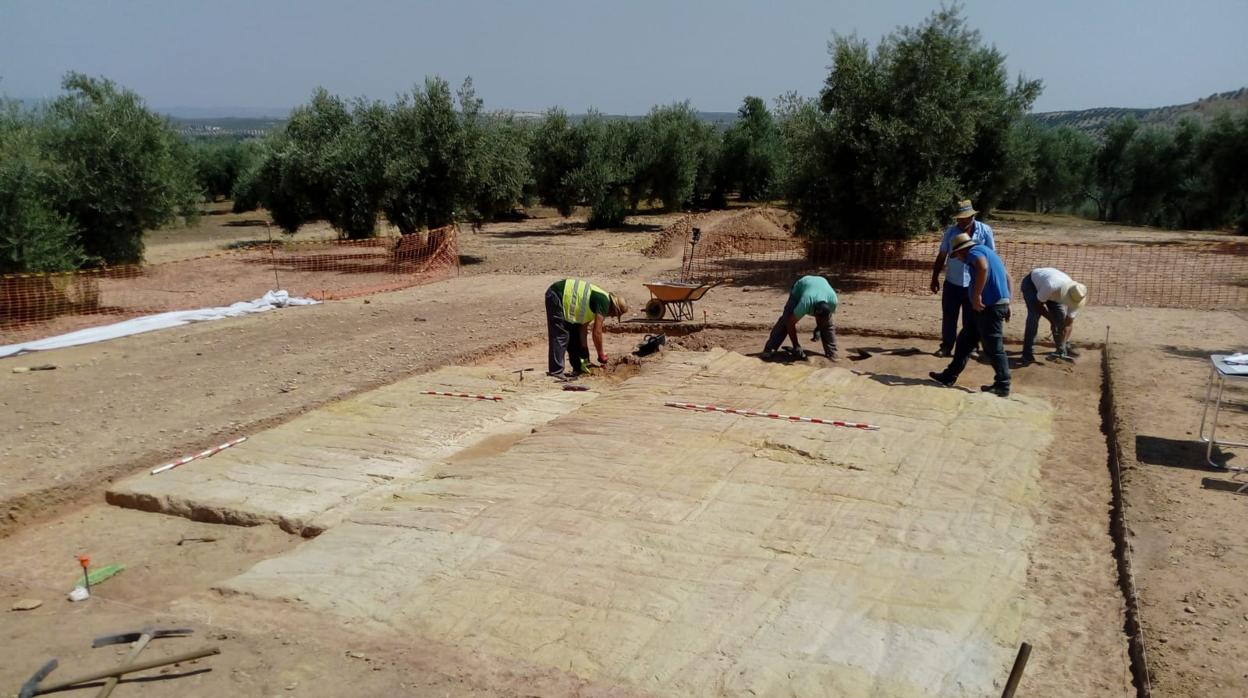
(478, 397)
(204, 454)
(772, 415)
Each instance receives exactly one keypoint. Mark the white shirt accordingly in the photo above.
(1049, 285)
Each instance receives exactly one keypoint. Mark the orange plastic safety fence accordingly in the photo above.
(1182, 275)
(33, 306)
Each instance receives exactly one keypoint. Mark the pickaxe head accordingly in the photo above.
(153, 633)
(31, 687)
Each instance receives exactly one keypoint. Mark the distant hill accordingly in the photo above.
(218, 126)
(251, 123)
(225, 126)
(1094, 121)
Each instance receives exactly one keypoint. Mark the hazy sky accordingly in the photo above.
(621, 56)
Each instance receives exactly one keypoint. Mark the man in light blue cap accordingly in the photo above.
(954, 298)
(811, 295)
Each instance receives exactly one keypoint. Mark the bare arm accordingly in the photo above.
(981, 279)
(936, 267)
(598, 339)
(1070, 325)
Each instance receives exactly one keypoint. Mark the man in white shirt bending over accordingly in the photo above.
(1051, 294)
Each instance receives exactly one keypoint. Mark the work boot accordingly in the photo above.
(943, 353)
(940, 377)
(995, 389)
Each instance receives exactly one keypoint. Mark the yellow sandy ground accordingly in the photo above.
(691, 553)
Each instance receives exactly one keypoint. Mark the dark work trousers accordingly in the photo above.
(781, 330)
(954, 299)
(1057, 325)
(986, 327)
(564, 336)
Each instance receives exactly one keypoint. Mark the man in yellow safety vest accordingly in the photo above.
(571, 306)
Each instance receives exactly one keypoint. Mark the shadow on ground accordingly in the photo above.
(891, 380)
(1200, 353)
(1175, 453)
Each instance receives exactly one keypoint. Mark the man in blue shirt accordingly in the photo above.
(954, 298)
(990, 308)
(811, 295)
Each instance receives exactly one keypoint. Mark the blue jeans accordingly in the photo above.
(1057, 325)
(986, 327)
(953, 299)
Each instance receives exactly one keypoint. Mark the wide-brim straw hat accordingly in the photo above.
(965, 209)
(619, 306)
(960, 242)
(1074, 295)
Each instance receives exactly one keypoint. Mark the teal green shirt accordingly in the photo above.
(810, 290)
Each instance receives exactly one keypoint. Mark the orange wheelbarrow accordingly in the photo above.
(675, 299)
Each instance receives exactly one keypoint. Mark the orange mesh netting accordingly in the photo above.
(34, 306)
(1181, 275)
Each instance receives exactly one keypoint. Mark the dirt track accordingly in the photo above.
(115, 408)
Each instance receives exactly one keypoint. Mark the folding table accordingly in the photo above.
(1219, 373)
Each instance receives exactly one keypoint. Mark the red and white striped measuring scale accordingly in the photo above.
(478, 397)
(203, 454)
(771, 415)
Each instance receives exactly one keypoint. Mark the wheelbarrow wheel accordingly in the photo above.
(655, 308)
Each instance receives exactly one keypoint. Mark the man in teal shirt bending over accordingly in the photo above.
(811, 295)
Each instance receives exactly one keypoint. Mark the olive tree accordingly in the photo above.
(34, 236)
(750, 159)
(115, 168)
(915, 125)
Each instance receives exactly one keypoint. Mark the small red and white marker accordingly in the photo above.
(204, 454)
(772, 415)
(477, 397)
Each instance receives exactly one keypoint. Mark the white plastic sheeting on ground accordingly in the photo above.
(269, 301)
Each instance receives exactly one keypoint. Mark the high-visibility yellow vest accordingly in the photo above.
(576, 294)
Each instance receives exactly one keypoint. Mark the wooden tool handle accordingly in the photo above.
(130, 669)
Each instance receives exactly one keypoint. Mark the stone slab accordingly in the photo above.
(306, 474)
(691, 553)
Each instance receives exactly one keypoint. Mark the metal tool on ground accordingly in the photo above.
(575, 388)
(139, 641)
(40, 367)
(651, 344)
(1016, 673)
(469, 395)
(30, 688)
(202, 454)
(520, 372)
(198, 539)
(772, 415)
(128, 669)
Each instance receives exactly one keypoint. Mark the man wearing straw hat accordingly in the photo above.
(990, 308)
(954, 298)
(1050, 293)
(572, 306)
